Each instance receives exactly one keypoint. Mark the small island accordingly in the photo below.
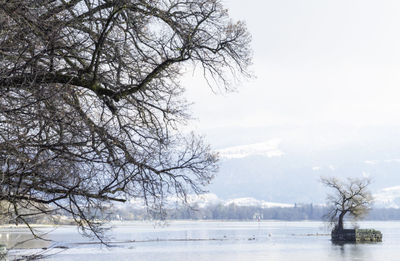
(356, 235)
(354, 199)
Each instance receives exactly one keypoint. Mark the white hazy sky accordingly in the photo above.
(317, 63)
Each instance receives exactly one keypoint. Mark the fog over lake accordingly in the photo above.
(322, 100)
(213, 240)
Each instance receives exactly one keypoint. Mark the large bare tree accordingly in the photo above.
(352, 198)
(91, 109)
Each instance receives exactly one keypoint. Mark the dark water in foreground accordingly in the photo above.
(205, 240)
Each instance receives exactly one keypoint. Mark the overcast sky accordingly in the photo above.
(321, 67)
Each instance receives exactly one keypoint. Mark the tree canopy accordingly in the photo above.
(91, 108)
(352, 198)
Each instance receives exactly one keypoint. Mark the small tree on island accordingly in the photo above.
(351, 197)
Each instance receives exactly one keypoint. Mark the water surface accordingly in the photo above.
(210, 240)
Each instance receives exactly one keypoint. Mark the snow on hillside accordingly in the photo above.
(384, 198)
(204, 200)
(252, 202)
(388, 197)
(210, 199)
(269, 149)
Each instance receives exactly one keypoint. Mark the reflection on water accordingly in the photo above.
(349, 250)
(204, 240)
(14, 237)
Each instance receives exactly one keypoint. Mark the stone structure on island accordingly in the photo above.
(356, 235)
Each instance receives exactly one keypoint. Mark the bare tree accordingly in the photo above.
(351, 197)
(90, 105)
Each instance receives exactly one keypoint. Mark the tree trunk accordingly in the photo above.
(340, 222)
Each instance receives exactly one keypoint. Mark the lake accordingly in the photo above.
(208, 240)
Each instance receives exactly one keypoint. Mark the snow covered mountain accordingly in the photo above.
(388, 197)
(210, 199)
(273, 167)
(269, 149)
(252, 202)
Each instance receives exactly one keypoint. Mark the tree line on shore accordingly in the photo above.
(235, 212)
(220, 212)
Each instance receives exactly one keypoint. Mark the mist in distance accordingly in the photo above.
(323, 102)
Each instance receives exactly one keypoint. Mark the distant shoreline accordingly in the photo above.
(127, 222)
